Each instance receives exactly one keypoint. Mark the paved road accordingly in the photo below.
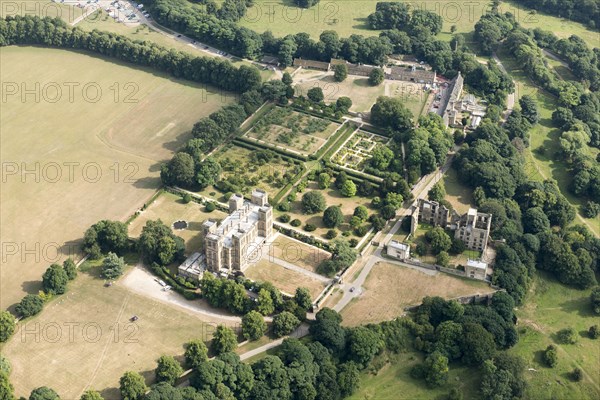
(553, 56)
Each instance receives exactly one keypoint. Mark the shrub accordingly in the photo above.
(30, 305)
(285, 218)
(550, 356)
(331, 234)
(594, 332)
(577, 374)
(309, 227)
(284, 206)
(296, 222)
(361, 230)
(353, 242)
(186, 198)
(567, 336)
(210, 206)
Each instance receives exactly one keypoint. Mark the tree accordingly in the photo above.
(6, 388)
(315, 94)
(437, 192)
(363, 345)
(591, 209)
(577, 374)
(328, 331)
(30, 305)
(264, 303)
(550, 356)
(376, 76)
(253, 325)
(112, 266)
(43, 393)
(348, 378)
(54, 280)
(529, 109)
(436, 369)
(208, 172)
(303, 298)
(132, 386)
(391, 112)
(5, 366)
(324, 180)
(361, 213)
(287, 79)
(343, 104)
(164, 391)
(195, 353)
(567, 336)
(313, 202)
(179, 171)
(91, 395)
(594, 332)
(439, 240)
(70, 268)
(442, 259)
(333, 216)
(224, 340)
(340, 72)
(271, 380)
(477, 344)
(595, 299)
(535, 220)
(7, 325)
(157, 243)
(105, 236)
(168, 370)
(340, 179)
(348, 189)
(284, 323)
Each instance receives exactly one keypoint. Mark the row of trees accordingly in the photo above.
(584, 11)
(53, 32)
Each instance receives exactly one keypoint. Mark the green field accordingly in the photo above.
(550, 307)
(393, 380)
(97, 156)
(541, 159)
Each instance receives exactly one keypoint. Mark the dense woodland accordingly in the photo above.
(578, 114)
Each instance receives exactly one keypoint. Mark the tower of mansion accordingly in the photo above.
(231, 244)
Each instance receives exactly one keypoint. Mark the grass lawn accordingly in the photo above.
(542, 160)
(96, 160)
(103, 344)
(284, 279)
(412, 95)
(393, 380)
(296, 252)
(357, 88)
(390, 288)
(550, 307)
(561, 27)
(332, 198)
(169, 208)
(459, 195)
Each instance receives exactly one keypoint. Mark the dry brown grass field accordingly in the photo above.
(390, 288)
(282, 278)
(84, 339)
(296, 252)
(94, 154)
